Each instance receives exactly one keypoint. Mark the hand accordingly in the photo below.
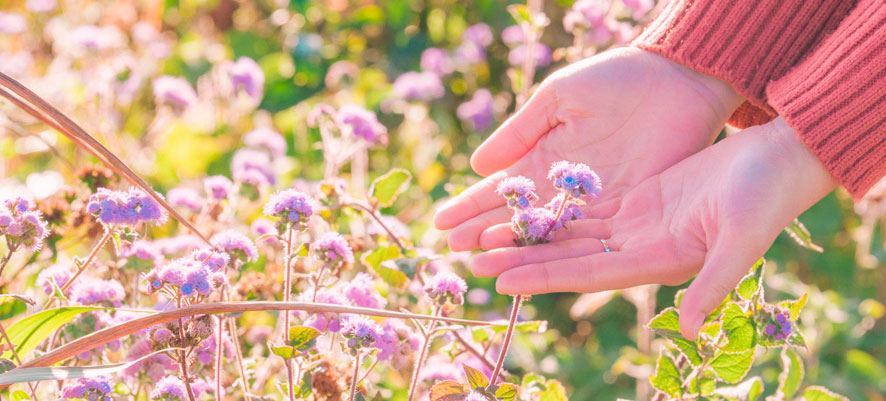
(627, 113)
(714, 214)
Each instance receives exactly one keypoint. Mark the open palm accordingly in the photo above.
(714, 214)
(627, 113)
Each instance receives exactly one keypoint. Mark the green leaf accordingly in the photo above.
(666, 323)
(818, 393)
(378, 255)
(386, 188)
(667, 377)
(794, 307)
(519, 12)
(689, 349)
(864, 366)
(678, 297)
(507, 392)
(747, 390)
(554, 391)
(409, 265)
(392, 276)
(791, 374)
(532, 381)
(302, 338)
(480, 335)
(448, 390)
(22, 375)
(798, 232)
(11, 307)
(739, 329)
(306, 385)
(476, 379)
(19, 395)
(283, 351)
(29, 332)
(752, 283)
(731, 368)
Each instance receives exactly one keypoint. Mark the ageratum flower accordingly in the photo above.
(519, 191)
(127, 208)
(237, 245)
(420, 86)
(91, 290)
(477, 112)
(360, 332)
(585, 14)
(58, 272)
(247, 77)
(291, 206)
(362, 123)
(575, 179)
(570, 211)
(332, 248)
(446, 287)
(533, 225)
(250, 164)
(512, 35)
(22, 224)
(262, 226)
(186, 276)
(153, 367)
(175, 92)
(266, 139)
(324, 321)
(436, 60)
(218, 187)
(361, 292)
(781, 329)
(144, 250)
(397, 343)
(185, 197)
(96, 388)
(478, 34)
(542, 55)
(214, 261)
(169, 388)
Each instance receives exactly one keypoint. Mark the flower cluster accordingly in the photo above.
(361, 332)
(266, 139)
(575, 179)
(59, 272)
(218, 187)
(247, 77)
(519, 191)
(185, 197)
(292, 207)
(332, 248)
(235, 244)
(22, 224)
(420, 86)
(253, 167)
(477, 112)
(362, 123)
(169, 388)
(194, 275)
(91, 290)
(127, 208)
(781, 329)
(96, 388)
(397, 343)
(175, 92)
(446, 287)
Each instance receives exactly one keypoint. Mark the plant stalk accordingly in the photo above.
(98, 247)
(355, 379)
(506, 343)
(421, 356)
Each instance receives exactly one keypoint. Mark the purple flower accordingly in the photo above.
(361, 292)
(185, 197)
(542, 55)
(22, 224)
(262, 226)
(291, 206)
(477, 112)
(267, 139)
(169, 388)
(782, 327)
(176, 92)
(235, 244)
(397, 343)
(127, 208)
(218, 186)
(363, 124)
(478, 34)
(446, 287)
(478, 296)
(58, 272)
(332, 248)
(533, 225)
(325, 321)
(89, 388)
(420, 86)
(190, 277)
(251, 165)
(11, 23)
(436, 60)
(214, 261)
(154, 367)
(248, 77)
(519, 191)
(576, 179)
(41, 6)
(468, 54)
(512, 35)
(91, 290)
(360, 331)
(570, 212)
(585, 14)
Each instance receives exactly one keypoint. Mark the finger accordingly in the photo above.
(496, 262)
(466, 236)
(478, 198)
(502, 236)
(518, 134)
(725, 264)
(591, 273)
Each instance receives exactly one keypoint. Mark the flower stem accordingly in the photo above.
(506, 343)
(287, 293)
(421, 356)
(15, 355)
(6, 259)
(182, 358)
(239, 354)
(371, 211)
(355, 379)
(218, 359)
(89, 259)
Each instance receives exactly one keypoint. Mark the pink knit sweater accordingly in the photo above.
(819, 64)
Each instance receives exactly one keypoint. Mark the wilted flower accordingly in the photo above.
(421, 86)
(446, 287)
(477, 112)
(332, 248)
(519, 191)
(218, 186)
(247, 76)
(235, 244)
(542, 55)
(363, 123)
(128, 208)
(96, 388)
(291, 206)
(266, 139)
(169, 388)
(436, 60)
(576, 179)
(175, 92)
(185, 197)
(360, 332)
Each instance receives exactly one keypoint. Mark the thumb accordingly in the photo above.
(725, 265)
(519, 133)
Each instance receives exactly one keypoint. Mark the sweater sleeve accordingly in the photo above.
(745, 43)
(836, 98)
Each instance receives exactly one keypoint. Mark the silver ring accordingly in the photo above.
(605, 245)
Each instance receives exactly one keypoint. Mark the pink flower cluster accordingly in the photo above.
(446, 287)
(197, 274)
(291, 206)
(236, 245)
(22, 224)
(397, 343)
(127, 208)
(169, 388)
(360, 332)
(362, 124)
(266, 139)
(96, 388)
(576, 179)
(91, 290)
(218, 186)
(332, 248)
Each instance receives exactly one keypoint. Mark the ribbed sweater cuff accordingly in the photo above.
(745, 43)
(836, 99)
